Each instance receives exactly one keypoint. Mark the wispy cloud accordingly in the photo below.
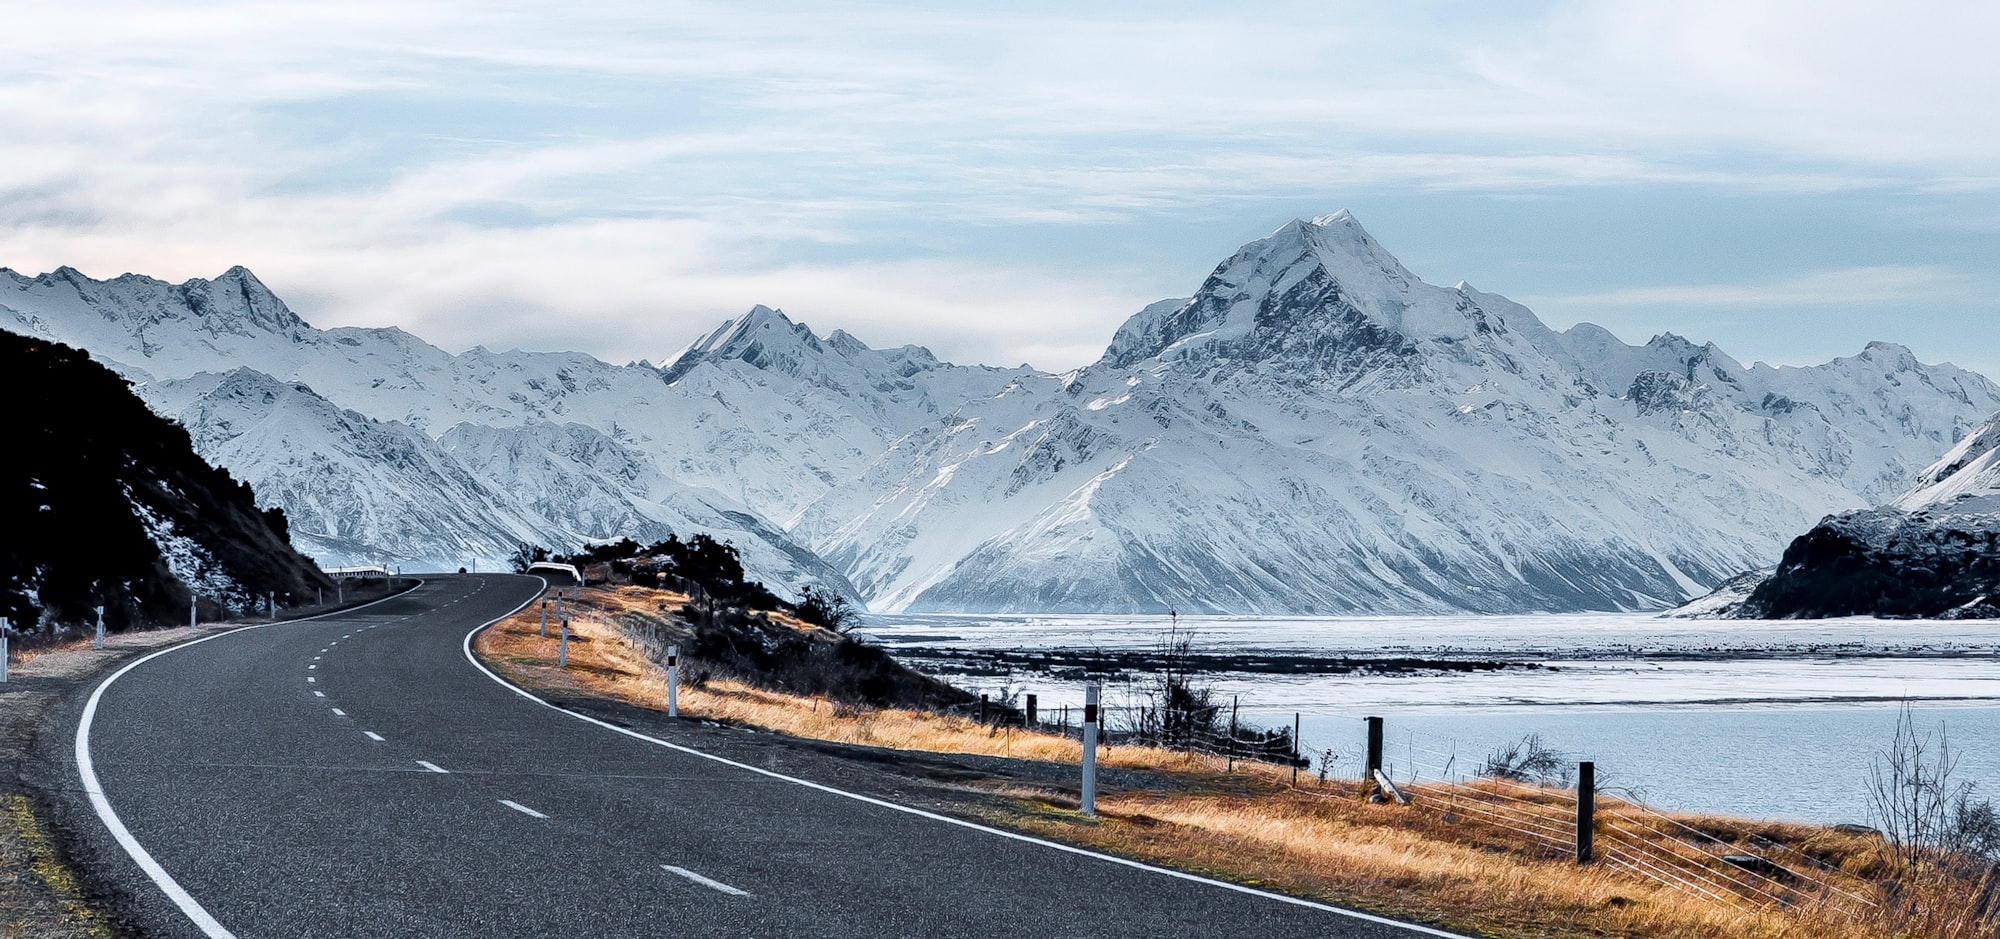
(470, 170)
(1889, 283)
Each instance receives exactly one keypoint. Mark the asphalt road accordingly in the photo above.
(357, 776)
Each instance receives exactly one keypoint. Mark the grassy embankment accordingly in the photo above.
(1422, 862)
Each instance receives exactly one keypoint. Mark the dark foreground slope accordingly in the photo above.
(103, 502)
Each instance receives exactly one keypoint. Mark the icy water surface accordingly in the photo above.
(1766, 719)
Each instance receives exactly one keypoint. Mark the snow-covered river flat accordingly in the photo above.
(1767, 719)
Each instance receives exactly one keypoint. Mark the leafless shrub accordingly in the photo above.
(1527, 760)
(1942, 839)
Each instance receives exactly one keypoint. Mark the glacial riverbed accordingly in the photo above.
(1763, 719)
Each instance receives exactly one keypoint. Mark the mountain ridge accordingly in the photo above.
(1315, 430)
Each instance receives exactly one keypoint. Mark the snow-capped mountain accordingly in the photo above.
(1932, 552)
(499, 447)
(355, 489)
(1316, 429)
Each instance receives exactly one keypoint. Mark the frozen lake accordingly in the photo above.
(1766, 719)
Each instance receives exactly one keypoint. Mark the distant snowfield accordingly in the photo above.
(1762, 719)
(1601, 660)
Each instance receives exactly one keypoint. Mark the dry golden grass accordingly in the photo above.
(1247, 825)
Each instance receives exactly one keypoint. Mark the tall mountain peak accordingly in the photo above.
(1325, 294)
(764, 337)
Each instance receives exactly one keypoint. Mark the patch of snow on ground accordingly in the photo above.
(189, 562)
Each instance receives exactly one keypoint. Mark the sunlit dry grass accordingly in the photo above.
(1248, 825)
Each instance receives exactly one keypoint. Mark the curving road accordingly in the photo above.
(359, 776)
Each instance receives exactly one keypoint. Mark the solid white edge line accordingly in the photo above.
(466, 647)
(704, 881)
(86, 772)
(518, 807)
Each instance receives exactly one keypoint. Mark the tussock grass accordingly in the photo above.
(1420, 862)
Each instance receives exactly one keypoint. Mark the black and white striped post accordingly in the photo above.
(673, 681)
(562, 649)
(1088, 804)
(545, 619)
(3, 650)
(99, 644)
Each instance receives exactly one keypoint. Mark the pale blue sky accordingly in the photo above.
(1788, 179)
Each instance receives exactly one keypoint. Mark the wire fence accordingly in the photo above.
(1524, 801)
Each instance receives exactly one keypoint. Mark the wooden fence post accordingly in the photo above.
(1586, 810)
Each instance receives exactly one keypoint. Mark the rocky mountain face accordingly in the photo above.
(1316, 430)
(103, 503)
(1933, 552)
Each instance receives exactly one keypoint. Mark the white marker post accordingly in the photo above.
(194, 611)
(545, 619)
(1089, 801)
(100, 629)
(673, 681)
(562, 650)
(271, 604)
(3, 650)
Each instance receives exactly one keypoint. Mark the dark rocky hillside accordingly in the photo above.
(1934, 552)
(1884, 563)
(103, 502)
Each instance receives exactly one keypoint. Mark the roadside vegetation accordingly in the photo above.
(1432, 861)
(1211, 796)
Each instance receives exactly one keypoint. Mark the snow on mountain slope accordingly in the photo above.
(1318, 430)
(1965, 481)
(357, 491)
(783, 416)
(608, 490)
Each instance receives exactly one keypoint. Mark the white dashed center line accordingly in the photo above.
(310, 678)
(433, 767)
(518, 807)
(319, 694)
(378, 738)
(340, 713)
(704, 881)
(312, 666)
